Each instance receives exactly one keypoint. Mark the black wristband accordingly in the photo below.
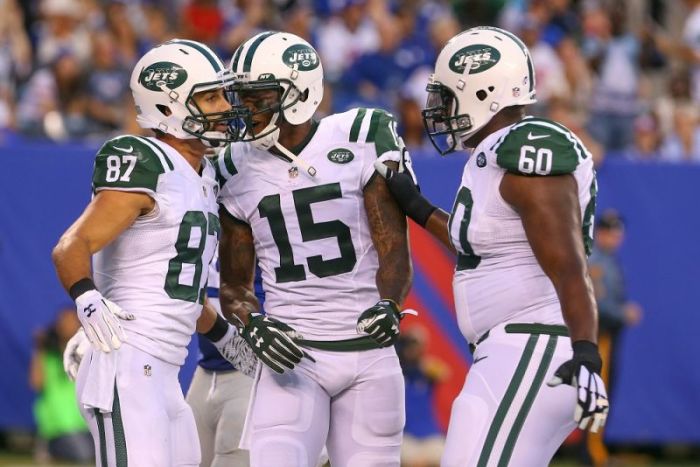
(420, 210)
(83, 285)
(587, 352)
(218, 330)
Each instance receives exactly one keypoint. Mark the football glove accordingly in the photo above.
(237, 352)
(273, 342)
(74, 352)
(381, 322)
(583, 373)
(100, 319)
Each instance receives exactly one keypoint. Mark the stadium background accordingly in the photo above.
(44, 183)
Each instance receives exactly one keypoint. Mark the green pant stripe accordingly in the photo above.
(118, 429)
(527, 403)
(507, 400)
(103, 440)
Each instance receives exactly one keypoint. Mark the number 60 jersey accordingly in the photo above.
(498, 278)
(157, 268)
(312, 237)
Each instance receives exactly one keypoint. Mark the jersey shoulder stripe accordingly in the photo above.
(537, 146)
(224, 166)
(375, 126)
(129, 163)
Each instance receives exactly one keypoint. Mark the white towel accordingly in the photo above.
(98, 390)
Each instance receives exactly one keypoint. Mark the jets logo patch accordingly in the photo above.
(340, 156)
(481, 160)
(301, 57)
(154, 76)
(478, 57)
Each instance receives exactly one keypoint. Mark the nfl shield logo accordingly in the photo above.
(293, 172)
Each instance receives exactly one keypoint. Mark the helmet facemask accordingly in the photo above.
(266, 96)
(442, 120)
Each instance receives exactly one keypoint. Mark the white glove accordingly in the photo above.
(73, 355)
(99, 319)
(237, 352)
(403, 158)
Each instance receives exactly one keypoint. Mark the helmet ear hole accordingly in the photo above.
(491, 88)
(304, 95)
(481, 95)
(164, 109)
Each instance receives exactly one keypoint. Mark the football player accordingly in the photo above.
(301, 195)
(521, 228)
(150, 230)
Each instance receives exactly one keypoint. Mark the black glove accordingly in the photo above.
(583, 373)
(273, 342)
(408, 196)
(381, 322)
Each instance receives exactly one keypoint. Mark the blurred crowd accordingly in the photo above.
(623, 74)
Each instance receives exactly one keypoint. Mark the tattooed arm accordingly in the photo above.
(237, 257)
(390, 237)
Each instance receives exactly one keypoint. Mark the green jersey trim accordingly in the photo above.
(129, 163)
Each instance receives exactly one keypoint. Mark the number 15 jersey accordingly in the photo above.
(312, 237)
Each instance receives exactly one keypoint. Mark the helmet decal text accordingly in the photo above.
(154, 76)
(482, 57)
(301, 56)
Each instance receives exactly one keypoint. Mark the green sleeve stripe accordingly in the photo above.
(164, 159)
(578, 146)
(356, 124)
(228, 161)
(213, 59)
(527, 403)
(373, 124)
(253, 47)
(507, 401)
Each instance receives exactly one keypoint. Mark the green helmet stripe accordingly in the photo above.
(213, 59)
(236, 57)
(253, 47)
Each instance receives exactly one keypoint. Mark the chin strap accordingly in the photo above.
(297, 160)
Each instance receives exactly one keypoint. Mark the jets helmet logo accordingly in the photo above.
(154, 76)
(480, 58)
(301, 57)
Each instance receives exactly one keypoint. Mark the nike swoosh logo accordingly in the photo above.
(532, 137)
(480, 359)
(126, 150)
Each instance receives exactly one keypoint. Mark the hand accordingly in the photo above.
(583, 373)
(74, 352)
(381, 322)
(234, 348)
(406, 192)
(273, 342)
(99, 319)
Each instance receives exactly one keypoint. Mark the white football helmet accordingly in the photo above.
(478, 73)
(163, 83)
(282, 62)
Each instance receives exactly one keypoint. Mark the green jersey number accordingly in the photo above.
(271, 209)
(190, 254)
(466, 259)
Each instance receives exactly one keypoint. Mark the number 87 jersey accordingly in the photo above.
(498, 278)
(157, 268)
(311, 234)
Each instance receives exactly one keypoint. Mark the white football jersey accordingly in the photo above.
(157, 268)
(312, 237)
(498, 278)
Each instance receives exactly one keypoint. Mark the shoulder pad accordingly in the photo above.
(130, 162)
(538, 146)
(375, 126)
